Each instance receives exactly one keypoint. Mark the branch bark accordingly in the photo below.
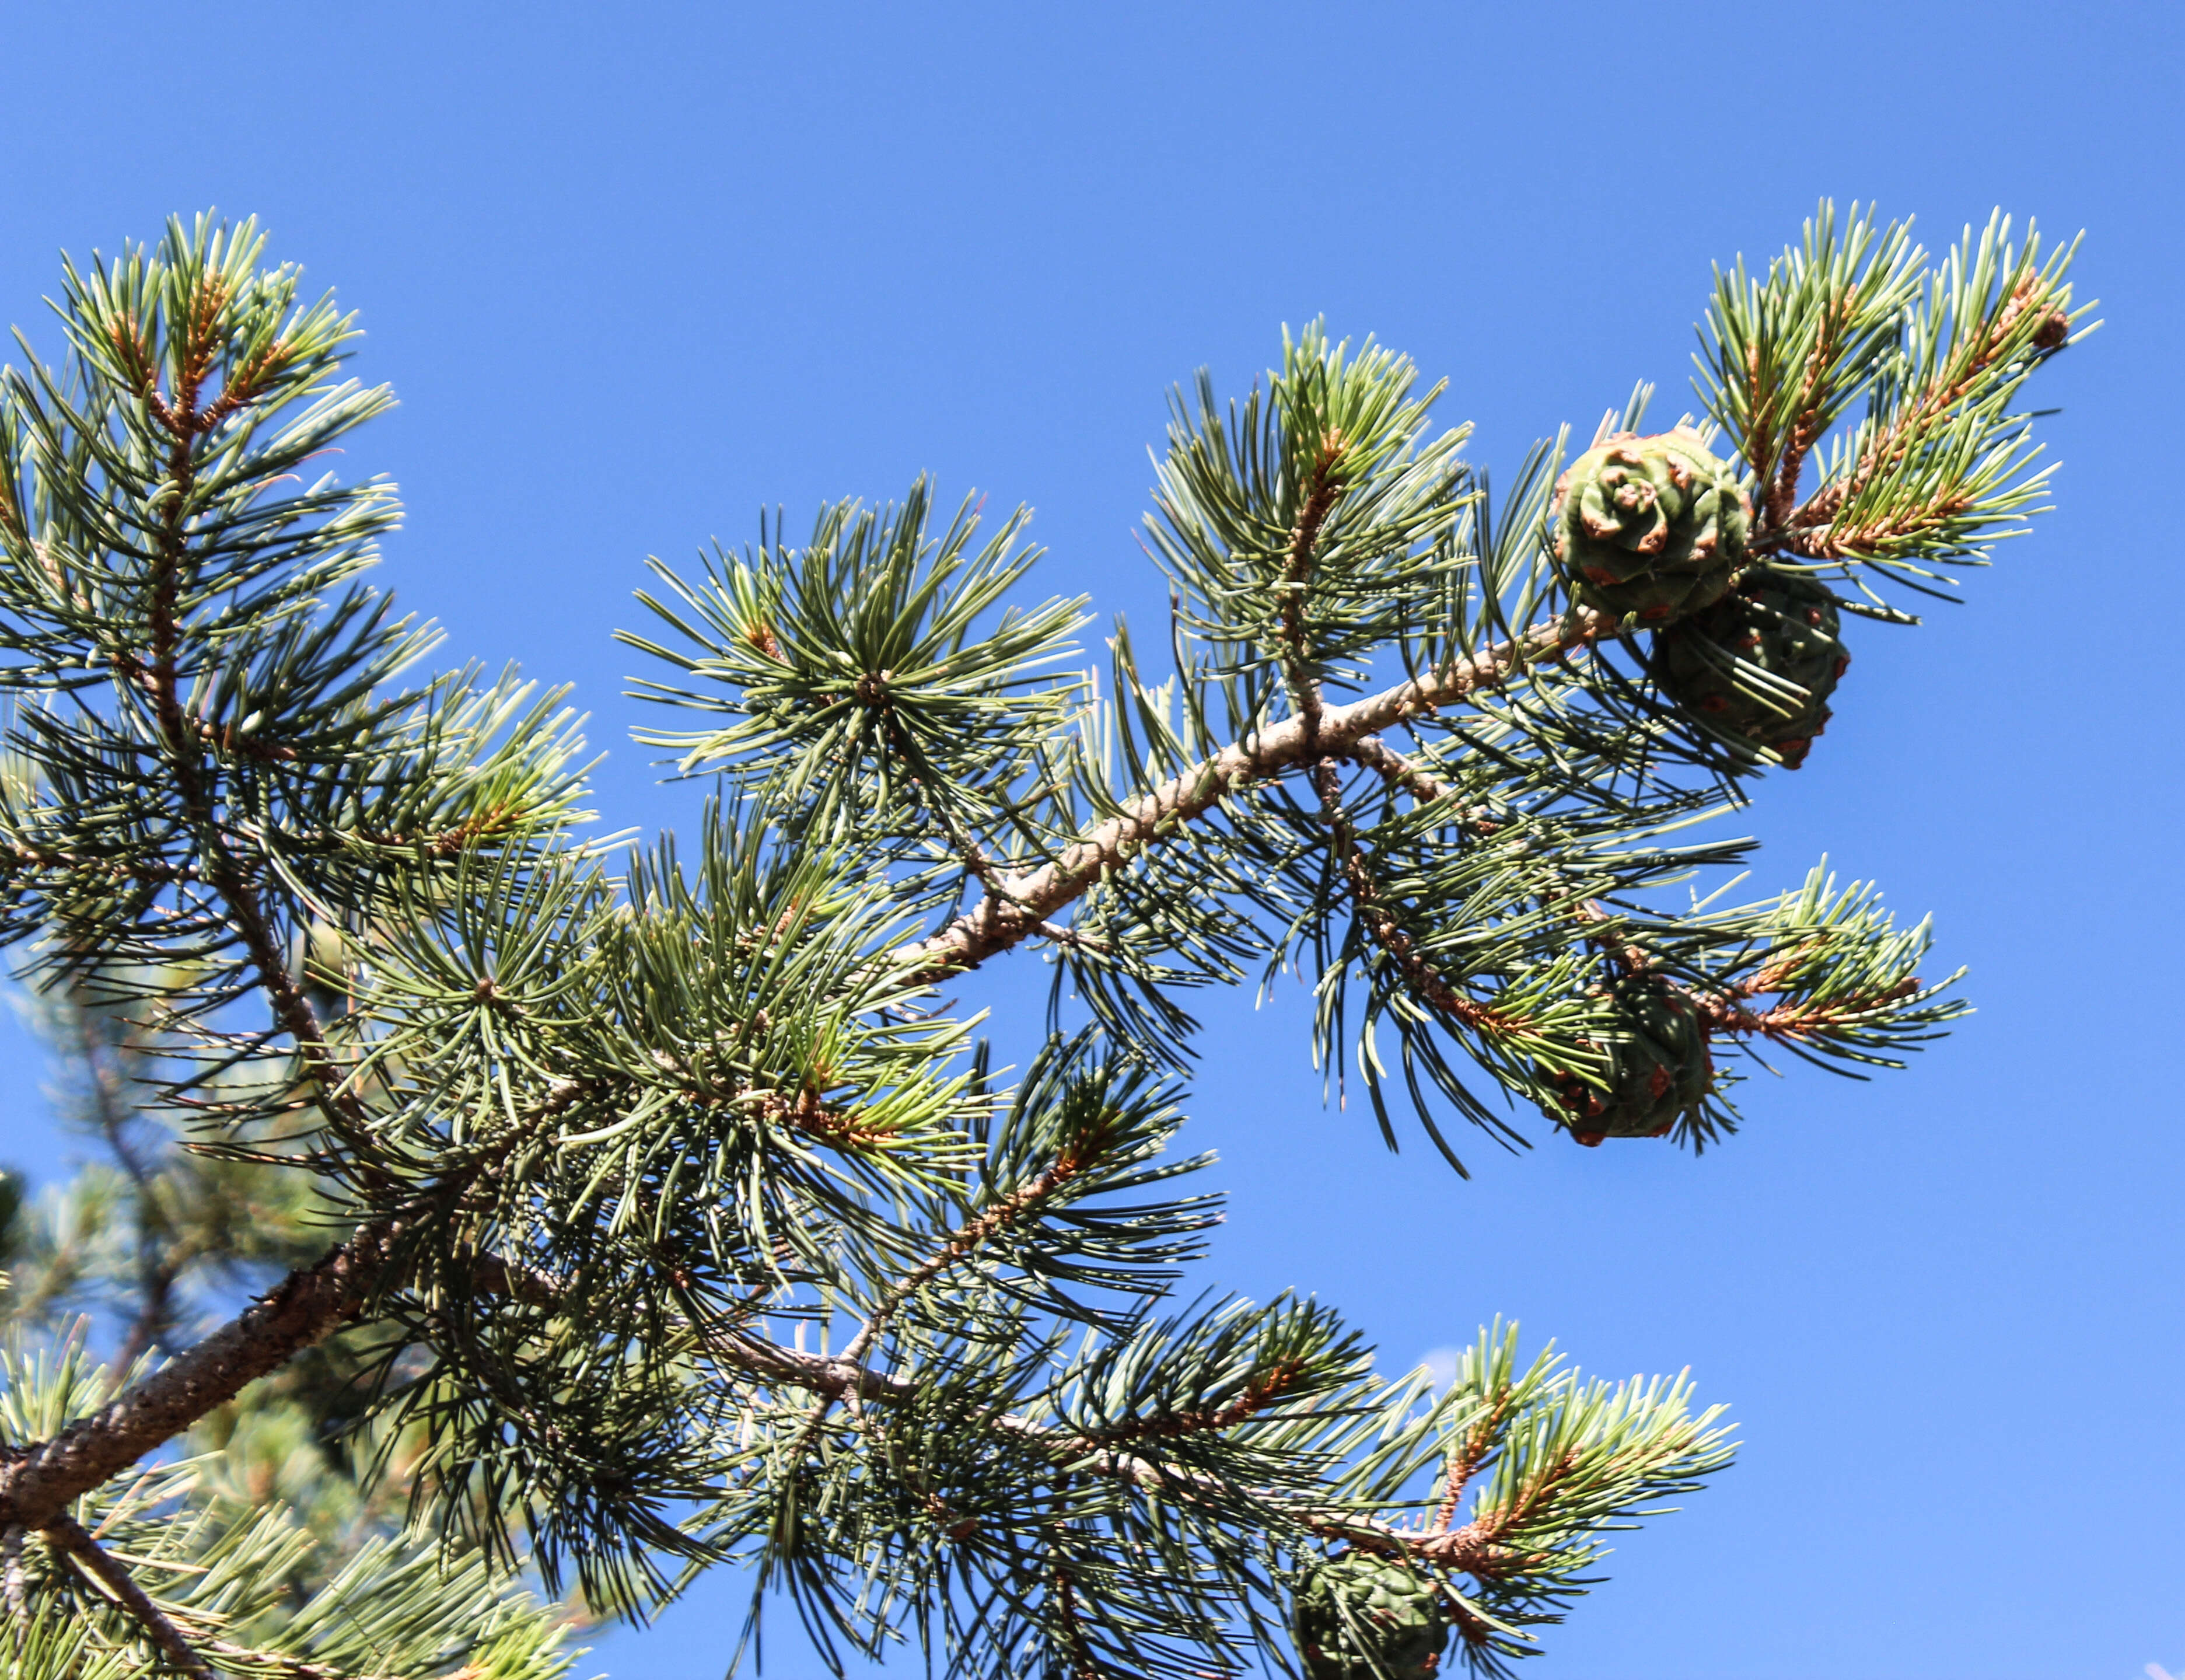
(997, 924)
(1393, 767)
(38, 1485)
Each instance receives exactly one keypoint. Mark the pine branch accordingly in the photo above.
(37, 1482)
(1398, 770)
(302, 1310)
(1807, 424)
(1380, 921)
(1261, 1391)
(291, 1668)
(1795, 1023)
(1476, 1549)
(1996, 340)
(1787, 352)
(1940, 464)
(1008, 1210)
(1082, 1665)
(292, 1009)
(154, 1317)
(299, 1586)
(1627, 958)
(1324, 488)
(997, 924)
(1025, 1201)
(1479, 1442)
(70, 1536)
(19, 857)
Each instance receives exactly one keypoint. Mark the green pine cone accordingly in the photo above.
(1758, 665)
(1654, 526)
(1659, 1067)
(1398, 1613)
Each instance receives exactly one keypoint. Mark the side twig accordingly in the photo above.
(71, 1538)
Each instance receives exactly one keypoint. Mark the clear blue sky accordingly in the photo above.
(637, 269)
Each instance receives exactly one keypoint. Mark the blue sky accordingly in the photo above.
(637, 270)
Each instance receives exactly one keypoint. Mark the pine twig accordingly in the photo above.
(71, 1538)
(1473, 1549)
(1426, 981)
(38, 1483)
(1327, 485)
(1793, 1023)
(960, 1244)
(995, 925)
(293, 1668)
(1810, 530)
(1464, 1464)
(1261, 1392)
(1398, 770)
(161, 675)
(1806, 427)
(1081, 1666)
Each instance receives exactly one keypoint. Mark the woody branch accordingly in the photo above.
(310, 1304)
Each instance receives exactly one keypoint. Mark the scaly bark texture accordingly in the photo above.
(38, 1482)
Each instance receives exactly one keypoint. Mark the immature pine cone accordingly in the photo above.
(1758, 665)
(1653, 526)
(1398, 1611)
(1659, 1067)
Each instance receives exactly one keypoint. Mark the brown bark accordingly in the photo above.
(997, 924)
(38, 1483)
(71, 1537)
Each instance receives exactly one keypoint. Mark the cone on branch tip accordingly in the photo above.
(1360, 1617)
(1651, 526)
(1759, 665)
(1659, 1067)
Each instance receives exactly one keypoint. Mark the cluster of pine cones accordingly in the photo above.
(1654, 530)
